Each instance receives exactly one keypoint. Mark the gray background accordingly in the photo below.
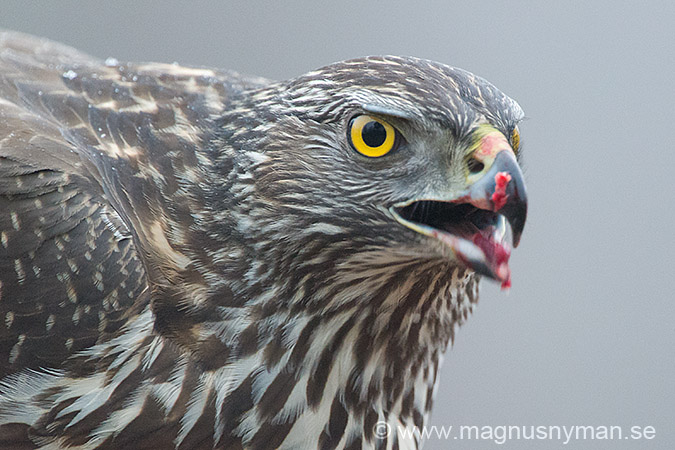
(586, 335)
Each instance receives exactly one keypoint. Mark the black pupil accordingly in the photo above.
(374, 134)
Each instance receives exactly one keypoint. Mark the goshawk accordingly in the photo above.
(191, 258)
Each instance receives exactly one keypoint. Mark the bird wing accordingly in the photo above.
(89, 156)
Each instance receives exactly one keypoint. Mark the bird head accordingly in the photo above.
(398, 155)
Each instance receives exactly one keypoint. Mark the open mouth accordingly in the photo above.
(478, 237)
(473, 224)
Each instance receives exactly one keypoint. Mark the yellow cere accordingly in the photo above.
(515, 139)
(372, 137)
(488, 141)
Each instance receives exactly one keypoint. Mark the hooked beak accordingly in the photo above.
(473, 224)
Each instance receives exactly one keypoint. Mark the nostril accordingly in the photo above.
(475, 166)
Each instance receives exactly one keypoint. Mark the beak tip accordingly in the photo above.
(517, 222)
(516, 240)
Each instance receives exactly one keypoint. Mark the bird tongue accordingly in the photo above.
(496, 256)
(483, 251)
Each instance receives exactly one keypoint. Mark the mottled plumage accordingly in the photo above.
(193, 259)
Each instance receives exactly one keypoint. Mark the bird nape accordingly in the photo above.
(192, 258)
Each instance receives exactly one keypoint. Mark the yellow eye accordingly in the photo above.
(515, 139)
(371, 137)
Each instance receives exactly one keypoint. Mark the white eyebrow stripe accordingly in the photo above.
(387, 111)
